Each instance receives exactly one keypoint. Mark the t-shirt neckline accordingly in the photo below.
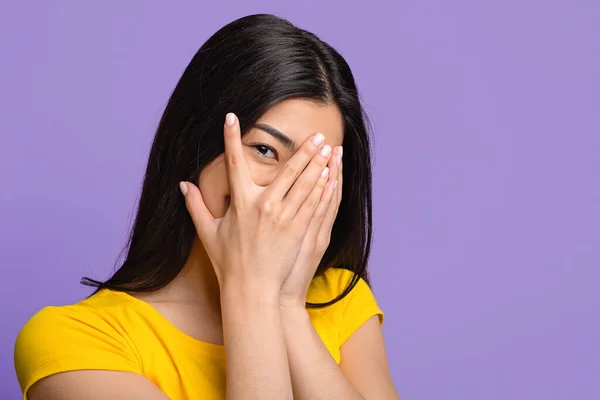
(164, 325)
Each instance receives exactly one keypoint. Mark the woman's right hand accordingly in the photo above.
(257, 241)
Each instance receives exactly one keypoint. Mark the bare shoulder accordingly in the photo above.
(74, 351)
(364, 361)
(95, 385)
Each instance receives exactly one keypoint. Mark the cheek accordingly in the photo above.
(262, 172)
(214, 186)
(214, 182)
(262, 175)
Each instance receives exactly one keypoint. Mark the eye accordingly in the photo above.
(265, 151)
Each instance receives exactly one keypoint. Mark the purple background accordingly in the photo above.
(487, 178)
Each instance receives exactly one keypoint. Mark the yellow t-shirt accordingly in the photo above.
(114, 331)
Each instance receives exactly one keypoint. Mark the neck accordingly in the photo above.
(197, 282)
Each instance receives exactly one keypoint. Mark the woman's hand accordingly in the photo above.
(257, 241)
(316, 240)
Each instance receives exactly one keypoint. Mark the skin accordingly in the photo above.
(221, 292)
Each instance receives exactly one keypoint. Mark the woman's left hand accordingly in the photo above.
(294, 289)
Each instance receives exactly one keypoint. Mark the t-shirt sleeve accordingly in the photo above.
(352, 311)
(357, 307)
(57, 340)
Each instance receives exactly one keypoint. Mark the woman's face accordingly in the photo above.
(278, 134)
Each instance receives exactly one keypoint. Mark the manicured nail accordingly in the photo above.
(318, 139)
(339, 159)
(326, 150)
(230, 119)
(183, 187)
(340, 150)
(325, 172)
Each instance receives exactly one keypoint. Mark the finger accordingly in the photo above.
(305, 183)
(294, 167)
(335, 163)
(326, 226)
(334, 166)
(237, 169)
(335, 170)
(316, 215)
(328, 219)
(318, 218)
(307, 209)
(340, 179)
(203, 220)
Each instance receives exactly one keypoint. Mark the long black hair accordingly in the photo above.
(246, 67)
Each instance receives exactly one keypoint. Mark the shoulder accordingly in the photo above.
(330, 283)
(85, 335)
(354, 309)
(333, 282)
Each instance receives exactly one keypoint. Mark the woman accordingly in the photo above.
(246, 247)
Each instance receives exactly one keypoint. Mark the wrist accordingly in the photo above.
(294, 310)
(294, 319)
(292, 302)
(249, 292)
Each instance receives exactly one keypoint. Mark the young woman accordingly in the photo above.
(245, 275)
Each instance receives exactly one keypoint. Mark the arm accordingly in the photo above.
(364, 362)
(95, 385)
(256, 359)
(64, 355)
(252, 249)
(257, 365)
(315, 374)
(363, 372)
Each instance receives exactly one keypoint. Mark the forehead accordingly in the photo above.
(299, 119)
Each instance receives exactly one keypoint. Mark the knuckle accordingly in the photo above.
(304, 186)
(308, 151)
(281, 219)
(266, 207)
(289, 172)
(231, 159)
(310, 203)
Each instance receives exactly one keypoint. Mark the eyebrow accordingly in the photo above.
(278, 135)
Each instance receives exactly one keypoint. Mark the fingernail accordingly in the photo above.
(340, 151)
(335, 184)
(183, 187)
(230, 119)
(326, 150)
(325, 172)
(339, 159)
(318, 139)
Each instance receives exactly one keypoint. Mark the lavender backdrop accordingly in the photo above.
(487, 177)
